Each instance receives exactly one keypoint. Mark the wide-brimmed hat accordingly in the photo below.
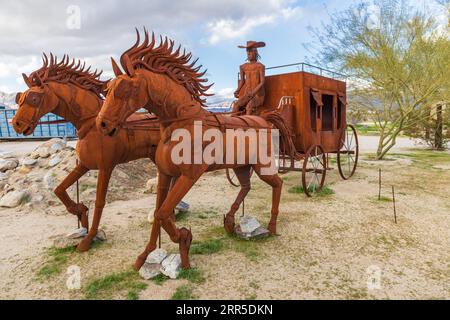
(253, 44)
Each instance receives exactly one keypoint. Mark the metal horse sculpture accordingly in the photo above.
(70, 91)
(161, 79)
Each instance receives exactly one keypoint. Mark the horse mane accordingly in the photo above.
(164, 59)
(69, 71)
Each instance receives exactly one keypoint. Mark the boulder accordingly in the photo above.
(258, 233)
(50, 180)
(29, 162)
(182, 206)
(54, 161)
(149, 270)
(56, 147)
(73, 238)
(8, 164)
(14, 198)
(156, 256)
(151, 186)
(77, 233)
(43, 152)
(171, 266)
(249, 224)
(24, 170)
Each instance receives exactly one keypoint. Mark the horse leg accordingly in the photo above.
(102, 188)
(164, 183)
(78, 209)
(181, 236)
(276, 183)
(243, 175)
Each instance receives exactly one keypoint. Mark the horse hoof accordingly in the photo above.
(84, 245)
(228, 224)
(272, 229)
(184, 246)
(139, 263)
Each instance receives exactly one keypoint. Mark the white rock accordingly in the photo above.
(77, 233)
(6, 155)
(14, 199)
(54, 161)
(4, 176)
(149, 270)
(101, 235)
(56, 147)
(29, 162)
(49, 180)
(8, 164)
(151, 185)
(34, 155)
(156, 256)
(171, 265)
(43, 152)
(249, 224)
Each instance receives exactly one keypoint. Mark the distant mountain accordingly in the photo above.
(219, 105)
(8, 100)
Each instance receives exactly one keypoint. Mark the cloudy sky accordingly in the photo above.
(96, 30)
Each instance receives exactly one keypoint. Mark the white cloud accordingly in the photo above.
(226, 29)
(232, 28)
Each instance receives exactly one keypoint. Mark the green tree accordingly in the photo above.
(397, 58)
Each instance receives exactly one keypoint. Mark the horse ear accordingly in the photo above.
(18, 94)
(116, 68)
(27, 80)
(129, 66)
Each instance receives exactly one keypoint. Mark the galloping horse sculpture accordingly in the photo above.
(68, 90)
(163, 80)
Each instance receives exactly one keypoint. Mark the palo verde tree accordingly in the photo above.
(397, 57)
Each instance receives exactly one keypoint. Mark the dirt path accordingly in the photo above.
(330, 246)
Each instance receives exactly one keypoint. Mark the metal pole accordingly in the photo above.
(78, 197)
(379, 184)
(393, 200)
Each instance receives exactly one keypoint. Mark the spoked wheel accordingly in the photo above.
(231, 176)
(347, 156)
(314, 170)
(283, 168)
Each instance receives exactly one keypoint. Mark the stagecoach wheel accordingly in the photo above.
(314, 170)
(347, 156)
(231, 176)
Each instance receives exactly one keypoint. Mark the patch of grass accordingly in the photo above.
(57, 258)
(160, 279)
(206, 247)
(183, 292)
(384, 199)
(105, 287)
(182, 216)
(193, 275)
(85, 186)
(250, 248)
(367, 129)
(325, 191)
(254, 285)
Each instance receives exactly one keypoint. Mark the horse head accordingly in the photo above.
(125, 94)
(34, 103)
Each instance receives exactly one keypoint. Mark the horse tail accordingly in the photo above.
(286, 137)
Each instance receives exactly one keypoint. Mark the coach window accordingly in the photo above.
(327, 112)
(315, 100)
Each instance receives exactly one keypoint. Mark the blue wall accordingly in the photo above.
(42, 130)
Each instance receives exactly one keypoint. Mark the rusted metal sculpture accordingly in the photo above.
(71, 91)
(251, 91)
(162, 79)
